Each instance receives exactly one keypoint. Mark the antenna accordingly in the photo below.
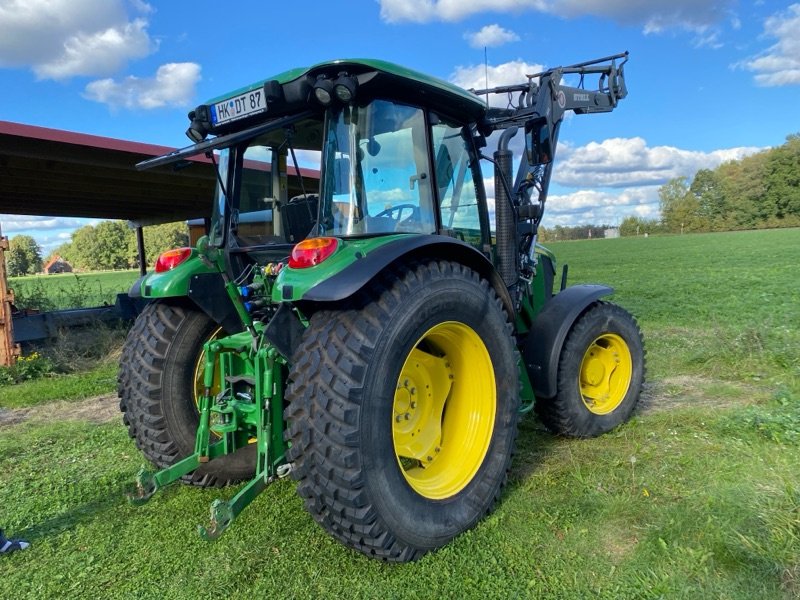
(486, 72)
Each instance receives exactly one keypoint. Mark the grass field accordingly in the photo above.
(70, 290)
(698, 496)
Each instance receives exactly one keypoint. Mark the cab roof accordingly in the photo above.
(380, 78)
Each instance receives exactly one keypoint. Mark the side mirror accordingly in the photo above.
(538, 141)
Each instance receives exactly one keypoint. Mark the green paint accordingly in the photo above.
(349, 252)
(361, 65)
(175, 282)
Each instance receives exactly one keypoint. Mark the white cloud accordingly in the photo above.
(59, 39)
(49, 232)
(16, 223)
(626, 162)
(475, 77)
(490, 36)
(654, 16)
(602, 183)
(779, 64)
(173, 85)
(423, 11)
(601, 207)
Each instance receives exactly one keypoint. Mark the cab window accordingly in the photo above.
(458, 198)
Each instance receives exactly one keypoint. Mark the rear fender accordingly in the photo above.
(542, 347)
(196, 280)
(356, 275)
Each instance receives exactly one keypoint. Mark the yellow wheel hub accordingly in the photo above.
(605, 373)
(444, 410)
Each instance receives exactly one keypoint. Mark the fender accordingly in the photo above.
(542, 348)
(352, 278)
(196, 280)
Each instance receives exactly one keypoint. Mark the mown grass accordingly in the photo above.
(100, 379)
(697, 496)
(70, 290)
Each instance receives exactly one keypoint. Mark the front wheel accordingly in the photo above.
(600, 374)
(403, 411)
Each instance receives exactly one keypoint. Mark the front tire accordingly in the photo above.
(600, 374)
(157, 386)
(403, 411)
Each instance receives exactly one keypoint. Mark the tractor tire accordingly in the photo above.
(403, 409)
(600, 374)
(161, 361)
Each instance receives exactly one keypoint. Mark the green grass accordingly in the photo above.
(71, 290)
(698, 496)
(101, 379)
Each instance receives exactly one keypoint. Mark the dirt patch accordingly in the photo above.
(100, 409)
(685, 391)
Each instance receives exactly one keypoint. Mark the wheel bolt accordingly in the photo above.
(407, 416)
(413, 404)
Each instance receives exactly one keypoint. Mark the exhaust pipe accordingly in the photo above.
(505, 223)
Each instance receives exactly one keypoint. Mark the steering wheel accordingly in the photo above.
(398, 208)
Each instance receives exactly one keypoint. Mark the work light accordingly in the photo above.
(345, 87)
(323, 90)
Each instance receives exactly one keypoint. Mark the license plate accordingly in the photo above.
(238, 107)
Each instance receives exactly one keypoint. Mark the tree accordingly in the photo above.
(680, 209)
(102, 247)
(712, 206)
(632, 225)
(158, 238)
(24, 257)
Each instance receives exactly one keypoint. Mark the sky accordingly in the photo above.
(709, 80)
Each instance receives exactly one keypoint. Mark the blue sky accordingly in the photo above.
(709, 80)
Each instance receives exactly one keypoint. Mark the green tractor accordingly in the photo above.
(372, 334)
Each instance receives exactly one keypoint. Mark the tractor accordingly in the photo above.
(374, 334)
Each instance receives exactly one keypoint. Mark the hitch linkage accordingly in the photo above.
(254, 416)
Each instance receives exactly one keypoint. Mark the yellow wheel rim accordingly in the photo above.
(605, 374)
(444, 410)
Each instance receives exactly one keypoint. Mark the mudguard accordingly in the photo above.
(194, 279)
(542, 348)
(349, 280)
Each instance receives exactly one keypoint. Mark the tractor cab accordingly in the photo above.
(394, 149)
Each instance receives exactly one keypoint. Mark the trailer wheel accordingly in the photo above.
(158, 387)
(403, 411)
(600, 374)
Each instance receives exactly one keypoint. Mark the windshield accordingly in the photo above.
(376, 171)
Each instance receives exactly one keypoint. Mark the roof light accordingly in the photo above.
(172, 258)
(323, 90)
(345, 87)
(312, 251)
(196, 133)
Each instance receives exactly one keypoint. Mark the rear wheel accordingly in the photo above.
(600, 374)
(403, 411)
(159, 383)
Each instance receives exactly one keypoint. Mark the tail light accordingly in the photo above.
(312, 251)
(172, 258)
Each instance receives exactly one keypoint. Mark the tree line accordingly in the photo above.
(105, 246)
(760, 191)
